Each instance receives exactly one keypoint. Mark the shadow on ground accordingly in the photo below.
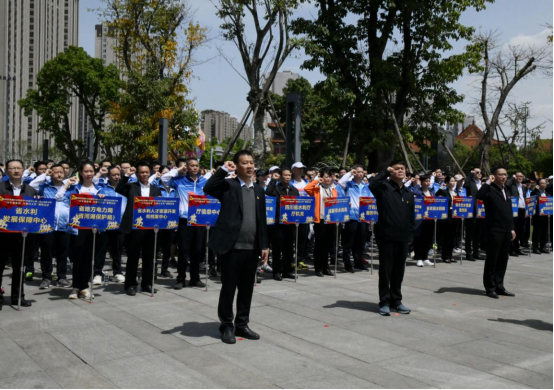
(460, 290)
(535, 324)
(196, 329)
(363, 306)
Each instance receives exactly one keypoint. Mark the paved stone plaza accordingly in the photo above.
(317, 333)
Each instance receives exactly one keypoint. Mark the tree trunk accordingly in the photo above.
(261, 147)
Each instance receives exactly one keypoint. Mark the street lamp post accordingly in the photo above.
(6, 143)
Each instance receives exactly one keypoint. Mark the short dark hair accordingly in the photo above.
(191, 159)
(56, 166)
(155, 162)
(14, 160)
(143, 164)
(240, 153)
(398, 162)
(180, 160)
(63, 162)
(38, 164)
(356, 166)
(162, 167)
(496, 168)
(112, 167)
(424, 177)
(326, 171)
(105, 161)
(447, 178)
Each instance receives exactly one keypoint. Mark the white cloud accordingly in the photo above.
(530, 40)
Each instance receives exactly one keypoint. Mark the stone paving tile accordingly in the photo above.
(386, 378)
(80, 376)
(14, 361)
(35, 380)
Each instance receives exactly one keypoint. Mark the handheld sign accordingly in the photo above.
(514, 206)
(480, 209)
(545, 205)
(270, 203)
(91, 212)
(337, 210)
(203, 210)
(462, 207)
(368, 209)
(297, 209)
(155, 213)
(435, 208)
(418, 208)
(530, 206)
(24, 213)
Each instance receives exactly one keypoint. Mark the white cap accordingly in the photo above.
(298, 165)
(273, 168)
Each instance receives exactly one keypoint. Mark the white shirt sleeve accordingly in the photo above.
(152, 178)
(61, 193)
(37, 181)
(168, 176)
(345, 179)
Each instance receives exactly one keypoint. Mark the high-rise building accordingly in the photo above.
(281, 79)
(32, 32)
(222, 125)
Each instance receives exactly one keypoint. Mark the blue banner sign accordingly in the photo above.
(545, 205)
(462, 207)
(270, 204)
(24, 213)
(480, 209)
(514, 206)
(155, 212)
(530, 206)
(418, 208)
(203, 210)
(337, 210)
(435, 208)
(368, 210)
(297, 209)
(89, 211)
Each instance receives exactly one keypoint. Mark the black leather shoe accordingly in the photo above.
(24, 302)
(148, 289)
(492, 294)
(536, 251)
(521, 253)
(470, 258)
(213, 272)
(319, 273)
(278, 276)
(247, 333)
(328, 272)
(514, 254)
(228, 336)
(505, 293)
(289, 276)
(197, 283)
(360, 267)
(165, 274)
(477, 256)
(348, 268)
(545, 251)
(132, 291)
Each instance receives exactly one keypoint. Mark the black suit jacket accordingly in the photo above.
(130, 190)
(276, 189)
(470, 185)
(7, 189)
(446, 194)
(499, 217)
(224, 234)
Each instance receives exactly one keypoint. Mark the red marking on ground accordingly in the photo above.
(396, 314)
(454, 304)
(240, 339)
(325, 326)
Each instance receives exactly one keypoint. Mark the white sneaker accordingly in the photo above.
(119, 278)
(457, 250)
(74, 293)
(97, 280)
(428, 262)
(431, 253)
(412, 254)
(266, 268)
(85, 294)
(419, 263)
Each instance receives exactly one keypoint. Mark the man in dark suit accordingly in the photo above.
(499, 225)
(515, 186)
(138, 240)
(239, 237)
(12, 243)
(474, 226)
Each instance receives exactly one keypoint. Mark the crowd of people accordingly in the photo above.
(240, 239)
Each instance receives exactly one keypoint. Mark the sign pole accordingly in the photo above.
(207, 254)
(462, 243)
(549, 240)
(24, 234)
(436, 247)
(337, 250)
(371, 249)
(94, 231)
(156, 229)
(296, 256)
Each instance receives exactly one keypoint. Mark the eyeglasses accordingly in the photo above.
(15, 169)
(501, 174)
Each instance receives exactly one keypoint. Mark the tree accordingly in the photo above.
(391, 57)
(257, 56)
(70, 74)
(155, 42)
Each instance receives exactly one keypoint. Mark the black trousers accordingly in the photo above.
(111, 240)
(33, 240)
(303, 242)
(58, 242)
(450, 228)
(392, 262)
(238, 270)
(283, 251)
(519, 223)
(474, 232)
(192, 242)
(353, 239)
(82, 257)
(422, 244)
(526, 233)
(165, 238)
(540, 232)
(140, 242)
(12, 245)
(325, 236)
(498, 250)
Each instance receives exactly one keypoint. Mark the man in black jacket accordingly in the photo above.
(394, 231)
(239, 237)
(499, 224)
(515, 186)
(138, 240)
(12, 243)
(474, 226)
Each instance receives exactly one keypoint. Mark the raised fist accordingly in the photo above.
(73, 180)
(132, 170)
(275, 175)
(230, 166)
(31, 169)
(49, 172)
(353, 172)
(491, 178)
(103, 171)
(158, 174)
(390, 169)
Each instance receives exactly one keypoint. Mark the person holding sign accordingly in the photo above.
(451, 226)
(139, 241)
(540, 222)
(81, 251)
(239, 237)
(394, 231)
(283, 235)
(424, 229)
(499, 223)
(474, 226)
(12, 243)
(321, 189)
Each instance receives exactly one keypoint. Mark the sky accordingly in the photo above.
(216, 85)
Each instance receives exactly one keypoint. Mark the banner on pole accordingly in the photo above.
(155, 212)
(514, 206)
(435, 208)
(368, 209)
(297, 209)
(25, 213)
(545, 205)
(418, 207)
(270, 204)
(530, 206)
(203, 210)
(480, 209)
(89, 211)
(337, 209)
(462, 207)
